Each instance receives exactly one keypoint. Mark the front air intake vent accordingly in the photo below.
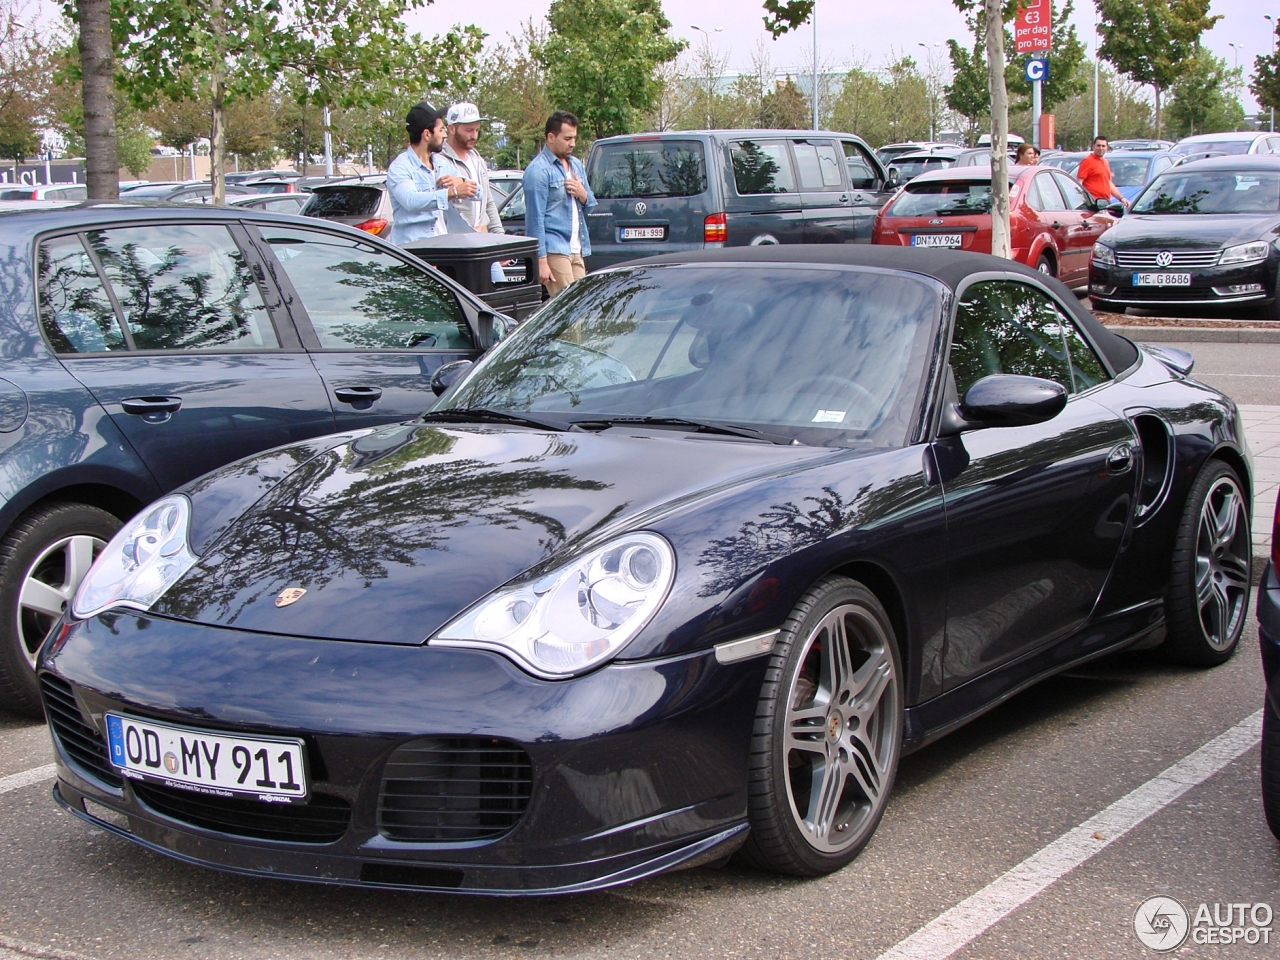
(80, 742)
(442, 789)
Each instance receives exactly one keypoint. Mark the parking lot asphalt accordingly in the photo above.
(968, 813)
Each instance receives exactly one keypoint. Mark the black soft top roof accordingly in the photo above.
(949, 267)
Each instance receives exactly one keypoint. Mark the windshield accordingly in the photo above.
(1235, 147)
(1128, 171)
(1212, 192)
(941, 198)
(815, 354)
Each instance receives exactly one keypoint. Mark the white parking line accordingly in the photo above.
(969, 919)
(16, 781)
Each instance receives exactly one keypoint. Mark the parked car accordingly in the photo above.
(977, 157)
(681, 191)
(1053, 222)
(511, 212)
(1201, 234)
(1066, 161)
(191, 190)
(890, 152)
(911, 165)
(1131, 170)
(1243, 142)
(1269, 637)
(272, 185)
(242, 176)
(56, 191)
(1157, 146)
(161, 342)
(360, 202)
(505, 182)
(669, 574)
(271, 202)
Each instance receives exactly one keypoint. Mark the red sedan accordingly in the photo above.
(1053, 221)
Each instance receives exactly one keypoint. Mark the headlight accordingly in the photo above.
(574, 618)
(141, 562)
(1104, 254)
(1245, 252)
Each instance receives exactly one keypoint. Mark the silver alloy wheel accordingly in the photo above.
(840, 734)
(49, 585)
(1045, 267)
(1222, 563)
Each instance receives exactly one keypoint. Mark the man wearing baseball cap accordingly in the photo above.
(476, 202)
(421, 181)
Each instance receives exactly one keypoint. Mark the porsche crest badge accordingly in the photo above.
(289, 595)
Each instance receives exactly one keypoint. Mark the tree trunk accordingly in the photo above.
(97, 66)
(999, 129)
(218, 91)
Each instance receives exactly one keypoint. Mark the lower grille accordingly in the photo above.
(1164, 294)
(453, 789)
(322, 820)
(80, 742)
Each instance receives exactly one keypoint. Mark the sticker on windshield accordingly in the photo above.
(829, 416)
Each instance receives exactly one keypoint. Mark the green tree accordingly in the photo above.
(783, 15)
(1203, 99)
(1153, 41)
(786, 108)
(26, 62)
(601, 57)
(511, 87)
(1265, 84)
(859, 106)
(967, 93)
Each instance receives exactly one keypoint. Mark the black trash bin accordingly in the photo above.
(469, 257)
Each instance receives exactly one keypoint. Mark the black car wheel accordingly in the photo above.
(1210, 577)
(42, 561)
(828, 733)
(1045, 265)
(1271, 767)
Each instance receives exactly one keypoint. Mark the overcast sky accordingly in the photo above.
(871, 30)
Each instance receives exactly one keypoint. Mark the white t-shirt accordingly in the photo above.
(575, 241)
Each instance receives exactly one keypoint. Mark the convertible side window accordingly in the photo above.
(1007, 327)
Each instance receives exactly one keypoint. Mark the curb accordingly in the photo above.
(1197, 334)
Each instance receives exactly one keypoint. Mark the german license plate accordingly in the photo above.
(936, 240)
(269, 769)
(644, 233)
(1162, 279)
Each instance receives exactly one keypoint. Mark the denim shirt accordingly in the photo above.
(548, 216)
(416, 202)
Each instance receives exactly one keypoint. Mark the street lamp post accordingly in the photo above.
(1271, 20)
(815, 64)
(933, 106)
(710, 79)
(1235, 54)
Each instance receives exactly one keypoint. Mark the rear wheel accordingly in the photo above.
(1210, 577)
(42, 561)
(828, 733)
(1271, 767)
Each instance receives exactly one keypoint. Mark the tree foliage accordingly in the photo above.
(25, 60)
(1203, 99)
(601, 58)
(1265, 84)
(1153, 41)
(783, 15)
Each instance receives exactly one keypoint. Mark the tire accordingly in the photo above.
(1210, 577)
(814, 798)
(1045, 265)
(1271, 767)
(51, 544)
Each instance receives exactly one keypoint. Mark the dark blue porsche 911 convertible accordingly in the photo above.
(679, 569)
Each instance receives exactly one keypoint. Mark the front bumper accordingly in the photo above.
(1210, 286)
(636, 768)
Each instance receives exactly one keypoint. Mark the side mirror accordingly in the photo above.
(1012, 400)
(1116, 209)
(492, 327)
(451, 373)
(895, 179)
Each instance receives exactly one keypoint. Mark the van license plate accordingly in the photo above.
(1162, 279)
(644, 233)
(224, 765)
(936, 240)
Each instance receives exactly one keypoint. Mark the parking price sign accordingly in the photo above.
(1032, 33)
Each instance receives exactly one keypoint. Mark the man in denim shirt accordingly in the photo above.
(556, 199)
(421, 181)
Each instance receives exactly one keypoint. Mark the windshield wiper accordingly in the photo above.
(697, 426)
(485, 415)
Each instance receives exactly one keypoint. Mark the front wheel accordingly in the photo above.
(42, 561)
(828, 733)
(1045, 265)
(1210, 577)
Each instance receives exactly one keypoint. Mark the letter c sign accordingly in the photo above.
(1037, 69)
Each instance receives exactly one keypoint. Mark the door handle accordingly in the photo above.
(360, 397)
(152, 409)
(844, 198)
(1120, 459)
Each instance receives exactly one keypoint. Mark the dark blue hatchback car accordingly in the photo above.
(144, 346)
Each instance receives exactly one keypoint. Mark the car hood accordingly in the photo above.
(394, 533)
(1168, 232)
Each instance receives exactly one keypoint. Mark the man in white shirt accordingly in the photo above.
(479, 209)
